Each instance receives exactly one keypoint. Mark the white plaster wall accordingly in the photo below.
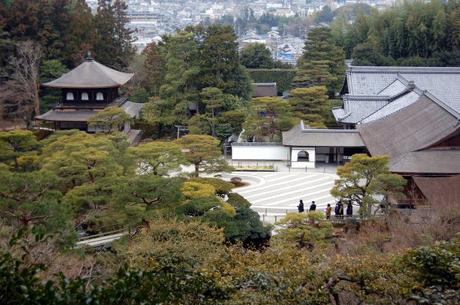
(260, 152)
(311, 155)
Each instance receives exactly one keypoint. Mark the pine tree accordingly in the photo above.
(154, 66)
(79, 35)
(322, 63)
(310, 104)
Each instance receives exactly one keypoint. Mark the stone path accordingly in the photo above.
(272, 195)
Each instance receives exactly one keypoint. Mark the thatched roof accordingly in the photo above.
(440, 190)
(409, 134)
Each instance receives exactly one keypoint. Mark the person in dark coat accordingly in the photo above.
(312, 206)
(338, 210)
(349, 210)
(300, 207)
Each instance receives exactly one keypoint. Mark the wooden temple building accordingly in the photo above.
(85, 90)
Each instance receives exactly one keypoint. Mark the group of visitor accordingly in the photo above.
(338, 209)
(301, 206)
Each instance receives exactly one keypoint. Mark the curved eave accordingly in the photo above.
(64, 86)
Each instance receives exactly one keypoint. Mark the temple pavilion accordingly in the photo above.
(85, 90)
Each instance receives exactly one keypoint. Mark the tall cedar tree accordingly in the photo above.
(220, 65)
(79, 35)
(322, 63)
(114, 40)
(154, 66)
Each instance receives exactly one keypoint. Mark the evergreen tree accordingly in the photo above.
(256, 55)
(154, 66)
(268, 117)
(310, 104)
(322, 63)
(79, 36)
(219, 62)
(114, 40)
(50, 70)
(412, 33)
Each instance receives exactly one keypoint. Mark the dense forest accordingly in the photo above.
(40, 40)
(414, 33)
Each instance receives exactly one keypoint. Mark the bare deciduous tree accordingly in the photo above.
(19, 94)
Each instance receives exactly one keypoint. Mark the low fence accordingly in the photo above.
(273, 215)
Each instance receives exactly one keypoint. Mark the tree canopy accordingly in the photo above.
(411, 33)
(367, 182)
(256, 56)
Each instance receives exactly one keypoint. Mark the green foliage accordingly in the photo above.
(322, 63)
(256, 56)
(220, 66)
(222, 187)
(169, 284)
(325, 15)
(197, 206)
(109, 120)
(203, 152)
(304, 229)
(158, 157)
(282, 77)
(148, 190)
(139, 95)
(399, 35)
(50, 70)
(154, 67)
(196, 71)
(77, 157)
(364, 180)
(193, 189)
(32, 200)
(437, 265)
(18, 148)
(268, 117)
(310, 104)
(113, 46)
(245, 226)
(238, 201)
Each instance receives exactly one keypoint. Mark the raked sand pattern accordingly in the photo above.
(274, 194)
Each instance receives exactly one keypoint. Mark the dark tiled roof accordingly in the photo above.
(301, 136)
(442, 82)
(66, 116)
(91, 74)
(82, 115)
